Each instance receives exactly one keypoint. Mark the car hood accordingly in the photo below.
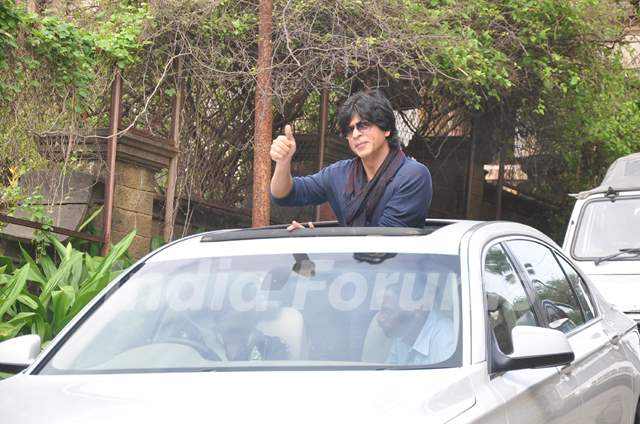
(622, 291)
(622, 267)
(276, 396)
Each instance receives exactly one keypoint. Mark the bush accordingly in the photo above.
(43, 295)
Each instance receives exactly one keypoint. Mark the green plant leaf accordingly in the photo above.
(34, 271)
(61, 301)
(101, 277)
(7, 263)
(78, 272)
(12, 327)
(48, 267)
(28, 301)
(60, 248)
(11, 291)
(40, 322)
(61, 276)
(91, 218)
(156, 242)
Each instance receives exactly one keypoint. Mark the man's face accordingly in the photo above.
(392, 318)
(366, 139)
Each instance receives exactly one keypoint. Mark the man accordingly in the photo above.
(379, 187)
(420, 337)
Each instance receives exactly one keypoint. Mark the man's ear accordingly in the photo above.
(387, 133)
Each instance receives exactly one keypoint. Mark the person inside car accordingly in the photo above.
(420, 336)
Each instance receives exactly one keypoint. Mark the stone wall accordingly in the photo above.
(133, 206)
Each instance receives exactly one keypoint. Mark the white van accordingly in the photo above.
(604, 234)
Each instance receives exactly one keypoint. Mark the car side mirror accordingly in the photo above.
(533, 347)
(18, 353)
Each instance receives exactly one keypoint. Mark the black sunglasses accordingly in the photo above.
(362, 125)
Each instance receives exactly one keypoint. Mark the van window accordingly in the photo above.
(605, 227)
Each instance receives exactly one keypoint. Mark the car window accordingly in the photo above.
(579, 287)
(558, 300)
(507, 302)
(283, 310)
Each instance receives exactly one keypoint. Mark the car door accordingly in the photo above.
(568, 307)
(607, 388)
(530, 395)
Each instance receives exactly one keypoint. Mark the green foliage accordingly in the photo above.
(10, 20)
(44, 294)
(68, 51)
(73, 53)
(12, 197)
(51, 70)
(10, 192)
(549, 66)
(157, 241)
(119, 36)
(34, 206)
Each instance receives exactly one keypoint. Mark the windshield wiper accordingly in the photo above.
(628, 250)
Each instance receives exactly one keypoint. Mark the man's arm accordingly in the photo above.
(282, 181)
(282, 150)
(408, 206)
(298, 191)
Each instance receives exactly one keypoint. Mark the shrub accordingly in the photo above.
(43, 295)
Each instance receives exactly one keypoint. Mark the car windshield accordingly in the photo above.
(329, 310)
(605, 227)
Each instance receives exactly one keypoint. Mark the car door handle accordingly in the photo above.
(614, 338)
(565, 372)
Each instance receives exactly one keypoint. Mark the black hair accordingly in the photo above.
(371, 106)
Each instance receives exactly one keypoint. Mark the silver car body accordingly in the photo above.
(601, 385)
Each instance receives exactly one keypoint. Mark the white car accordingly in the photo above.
(459, 322)
(603, 235)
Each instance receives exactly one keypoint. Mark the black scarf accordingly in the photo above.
(363, 196)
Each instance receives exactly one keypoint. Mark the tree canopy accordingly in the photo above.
(546, 73)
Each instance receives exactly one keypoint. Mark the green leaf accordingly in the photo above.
(77, 271)
(157, 241)
(10, 293)
(57, 279)
(101, 277)
(28, 301)
(91, 218)
(62, 300)
(60, 248)
(48, 267)
(12, 327)
(34, 271)
(7, 263)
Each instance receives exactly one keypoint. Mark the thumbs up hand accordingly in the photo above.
(283, 147)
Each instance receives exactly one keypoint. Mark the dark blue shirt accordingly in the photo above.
(404, 203)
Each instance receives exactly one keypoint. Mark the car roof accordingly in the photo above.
(622, 175)
(438, 236)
